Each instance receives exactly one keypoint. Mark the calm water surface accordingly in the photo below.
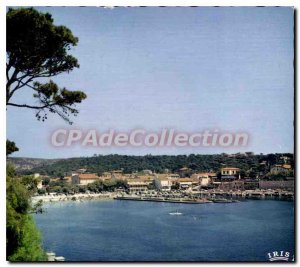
(115, 230)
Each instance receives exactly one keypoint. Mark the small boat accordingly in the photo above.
(222, 200)
(175, 213)
(59, 258)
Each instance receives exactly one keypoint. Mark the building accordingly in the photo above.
(204, 178)
(163, 184)
(147, 172)
(148, 179)
(137, 185)
(81, 170)
(39, 184)
(284, 169)
(161, 175)
(286, 185)
(232, 185)
(230, 174)
(173, 175)
(105, 177)
(184, 183)
(85, 178)
(185, 172)
(230, 171)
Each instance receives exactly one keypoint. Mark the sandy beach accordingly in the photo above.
(75, 197)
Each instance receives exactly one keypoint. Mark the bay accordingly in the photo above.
(116, 230)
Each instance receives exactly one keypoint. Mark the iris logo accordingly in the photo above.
(280, 256)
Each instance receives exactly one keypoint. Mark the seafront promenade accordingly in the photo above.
(193, 197)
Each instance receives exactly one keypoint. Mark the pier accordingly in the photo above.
(246, 194)
(174, 200)
(208, 196)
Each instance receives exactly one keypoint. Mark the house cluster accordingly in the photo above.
(228, 178)
(143, 181)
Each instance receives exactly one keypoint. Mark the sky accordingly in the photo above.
(185, 68)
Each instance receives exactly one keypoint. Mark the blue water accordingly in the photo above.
(117, 230)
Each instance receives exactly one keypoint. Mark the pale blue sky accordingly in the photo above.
(187, 68)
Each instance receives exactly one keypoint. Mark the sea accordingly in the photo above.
(129, 231)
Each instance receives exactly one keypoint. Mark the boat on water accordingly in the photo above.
(52, 257)
(175, 213)
(222, 200)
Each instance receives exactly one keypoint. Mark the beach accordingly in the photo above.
(75, 197)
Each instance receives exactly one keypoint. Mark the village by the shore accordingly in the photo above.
(184, 186)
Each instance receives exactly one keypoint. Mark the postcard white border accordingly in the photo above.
(130, 3)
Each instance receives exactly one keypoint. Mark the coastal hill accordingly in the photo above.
(26, 164)
(247, 162)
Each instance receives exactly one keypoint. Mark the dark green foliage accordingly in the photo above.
(10, 147)
(23, 242)
(109, 185)
(37, 207)
(41, 191)
(36, 48)
(250, 165)
(96, 187)
(46, 181)
(175, 186)
(35, 44)
(10, 170)
(29, 247)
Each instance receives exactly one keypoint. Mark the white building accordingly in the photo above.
(204, 178)
(230, 171)
(185, 183)
(163, 184)
(40, 184)
(137, 185)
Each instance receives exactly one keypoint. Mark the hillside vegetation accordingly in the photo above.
(129, 164)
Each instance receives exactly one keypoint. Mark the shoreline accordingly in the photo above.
(75, 198)
(202, 198)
